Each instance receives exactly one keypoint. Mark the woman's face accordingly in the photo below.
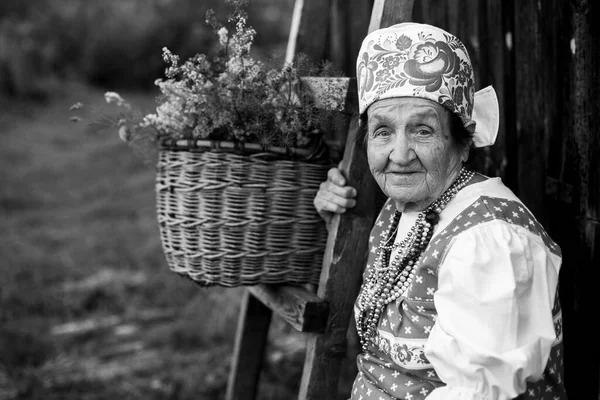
(411, 152)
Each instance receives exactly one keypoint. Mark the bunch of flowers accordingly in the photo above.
(230, 96)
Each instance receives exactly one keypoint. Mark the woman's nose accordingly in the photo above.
(402, 151)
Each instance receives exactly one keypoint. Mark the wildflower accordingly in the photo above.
(169, 57)
(230, 96)
(124, 132)
(114, 97)
(223, 38)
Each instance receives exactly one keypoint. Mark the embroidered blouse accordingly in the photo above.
(481, 319)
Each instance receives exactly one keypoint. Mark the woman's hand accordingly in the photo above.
(334, 197)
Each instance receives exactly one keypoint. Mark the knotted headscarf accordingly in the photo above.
(419, 60)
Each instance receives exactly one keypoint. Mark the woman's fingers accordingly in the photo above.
(335, 175)
(328, 201)
(333, 197)
(337, 194)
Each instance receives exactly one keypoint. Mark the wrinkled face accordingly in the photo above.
(411, 152)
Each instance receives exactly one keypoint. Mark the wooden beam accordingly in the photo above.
(299, 307)
(387, 13)
(249, 350)
(344, 260)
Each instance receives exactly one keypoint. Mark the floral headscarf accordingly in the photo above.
(418, 60)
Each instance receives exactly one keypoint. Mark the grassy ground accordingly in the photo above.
(88, 307)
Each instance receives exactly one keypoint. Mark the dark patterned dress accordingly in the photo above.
(397, 365)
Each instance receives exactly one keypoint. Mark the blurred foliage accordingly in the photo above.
(115, 43)
(89, 309)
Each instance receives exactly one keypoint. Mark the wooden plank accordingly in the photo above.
(248, 354)
(495, 53)
(290, 53)
(309, 30)
(345, 257)
(532, 94)
(347, 247)
(508, 106)
(453, 18)
(348, 27)
(557, 63)
(299, 307)
(584, 48)
(389, 12)
(338, 53)
(586, 108)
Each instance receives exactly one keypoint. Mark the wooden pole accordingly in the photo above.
(249, 350)
(346, 255)
(309, 39)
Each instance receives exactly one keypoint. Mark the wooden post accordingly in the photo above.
(389, 12)
(557, 69)
(347, 248)
(346, 255)
(583, 266)
(348, 27)
(493, 50)
(532, 93)
(250, 343)
(508, 106)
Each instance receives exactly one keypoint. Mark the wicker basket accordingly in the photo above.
(231, 220)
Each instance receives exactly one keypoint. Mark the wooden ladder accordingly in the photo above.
(324, 315)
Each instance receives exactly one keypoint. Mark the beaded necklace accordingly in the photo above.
(387, 280)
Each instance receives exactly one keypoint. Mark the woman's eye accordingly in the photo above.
(424, 132)
(380, 132)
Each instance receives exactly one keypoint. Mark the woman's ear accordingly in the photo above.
(464, 156)
(470, 126)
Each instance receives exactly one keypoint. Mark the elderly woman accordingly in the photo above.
(459, 294)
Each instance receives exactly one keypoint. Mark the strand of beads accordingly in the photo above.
(388, 280)
(390, 232)
(381, 275)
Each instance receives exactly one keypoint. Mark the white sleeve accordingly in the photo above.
(494, 329)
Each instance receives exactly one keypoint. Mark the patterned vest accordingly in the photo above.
(395, 367)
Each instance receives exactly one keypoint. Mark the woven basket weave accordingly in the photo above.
(232, 220)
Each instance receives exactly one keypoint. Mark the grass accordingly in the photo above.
(88, 307)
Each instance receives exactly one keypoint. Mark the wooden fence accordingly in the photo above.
(542, 57)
